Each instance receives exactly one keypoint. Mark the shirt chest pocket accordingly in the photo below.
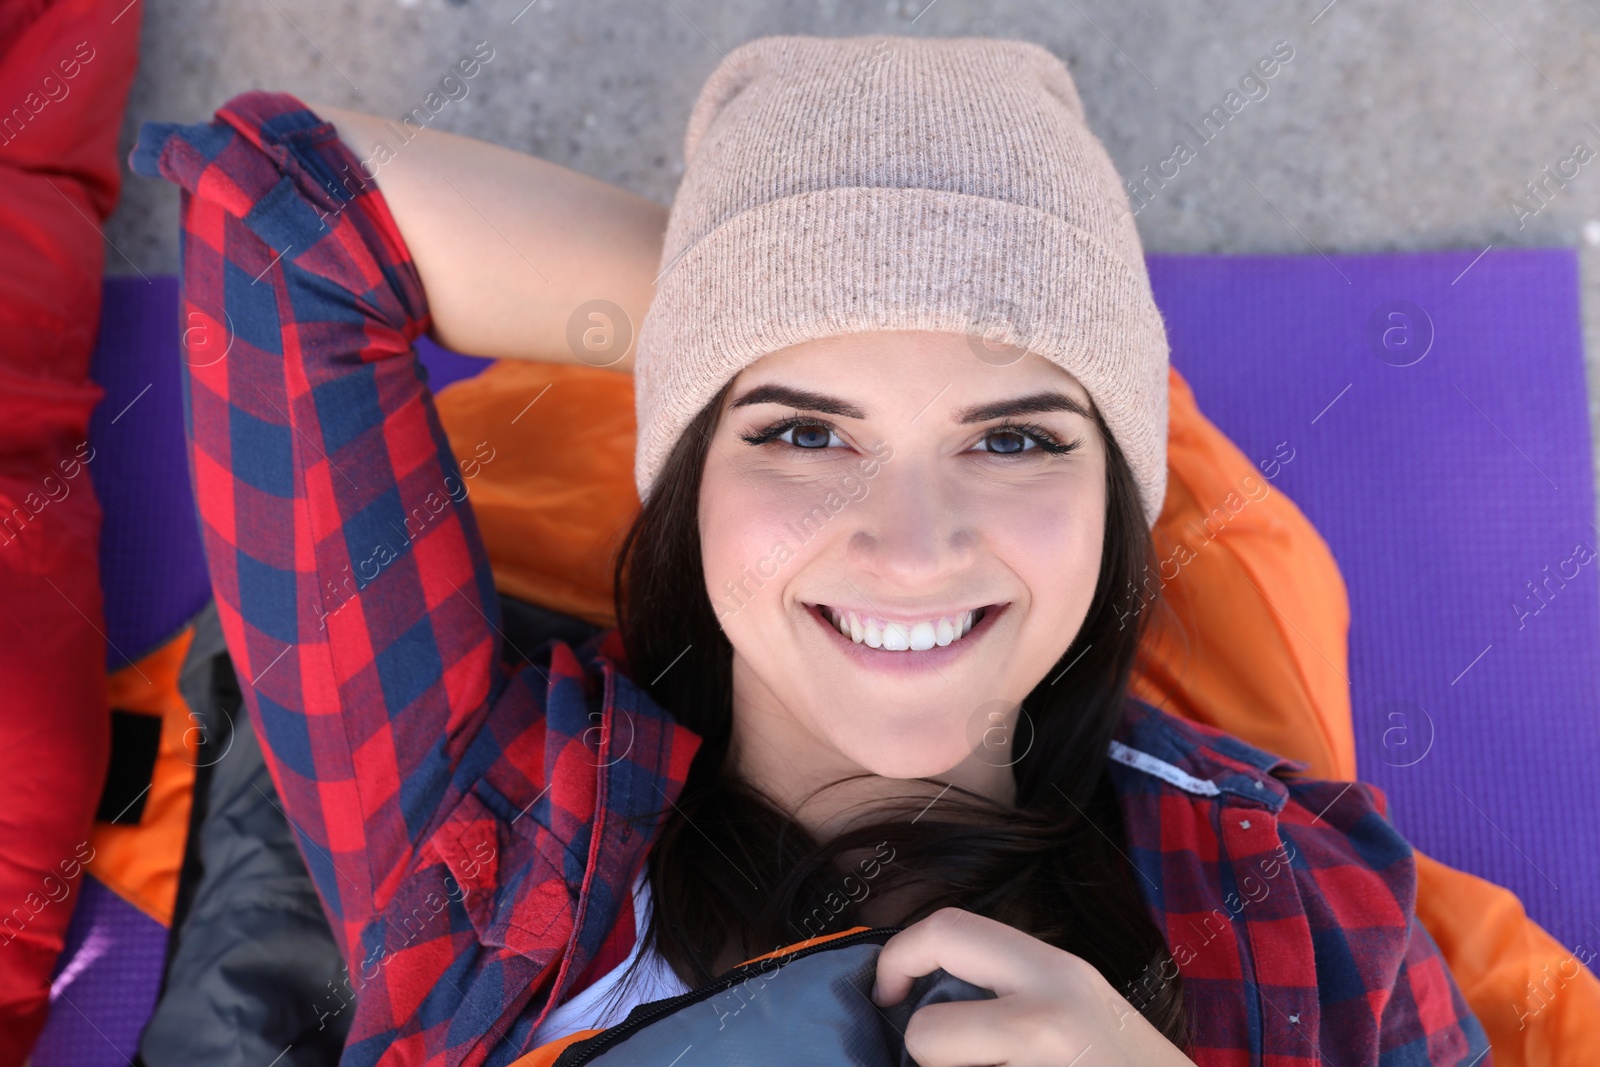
(509, 878)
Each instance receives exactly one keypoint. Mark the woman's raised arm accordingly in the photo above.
(428, 783)
(508, 246)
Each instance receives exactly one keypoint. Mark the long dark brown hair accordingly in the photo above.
(730, 871)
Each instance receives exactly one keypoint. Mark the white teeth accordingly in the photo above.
(899, 636)
(895, 638)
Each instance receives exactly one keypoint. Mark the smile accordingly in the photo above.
(919, 636)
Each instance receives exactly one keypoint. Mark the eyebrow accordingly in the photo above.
(1033, 403)
(799, 398)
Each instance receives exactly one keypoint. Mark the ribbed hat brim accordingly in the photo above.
(846, 260)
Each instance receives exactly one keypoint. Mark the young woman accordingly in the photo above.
(876, 616)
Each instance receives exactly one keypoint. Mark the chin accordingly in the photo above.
(911, 753)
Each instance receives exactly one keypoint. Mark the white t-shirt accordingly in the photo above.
(606, 1003)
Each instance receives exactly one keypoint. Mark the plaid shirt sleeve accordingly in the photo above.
(452, 814)
(1385, 993)
(1288, 906)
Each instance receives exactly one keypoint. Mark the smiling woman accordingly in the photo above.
(937, 672)
(978, 523)
(1029, 527)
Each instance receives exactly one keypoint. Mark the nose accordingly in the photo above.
(913, 533)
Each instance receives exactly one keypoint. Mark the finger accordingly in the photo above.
(957, 1034)
(978, 949)
(971, 1032)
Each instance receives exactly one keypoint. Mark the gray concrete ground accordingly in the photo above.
(1394, 127)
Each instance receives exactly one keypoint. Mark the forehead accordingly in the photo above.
(867, 362)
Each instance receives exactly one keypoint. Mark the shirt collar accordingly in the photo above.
(1199, 759)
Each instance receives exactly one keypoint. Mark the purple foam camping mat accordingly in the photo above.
(1434, 406)
(1434, 410)
(151, 566)
(104, 986)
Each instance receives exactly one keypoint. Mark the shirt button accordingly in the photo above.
(1244, 824)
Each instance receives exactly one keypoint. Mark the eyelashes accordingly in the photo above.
(777, 429)
(1043, 440)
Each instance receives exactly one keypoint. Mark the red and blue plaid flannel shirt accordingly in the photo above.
(471, 830)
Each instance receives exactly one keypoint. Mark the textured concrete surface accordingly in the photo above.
(1394, 127)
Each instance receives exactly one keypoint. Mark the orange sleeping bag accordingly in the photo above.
(1254, 643)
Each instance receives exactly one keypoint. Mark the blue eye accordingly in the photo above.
(1013, 441)
(810, 435)
(1017, 438)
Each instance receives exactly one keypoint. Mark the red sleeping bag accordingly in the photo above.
(65, 70)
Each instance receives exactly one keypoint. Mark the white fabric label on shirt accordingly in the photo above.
(1163, 770)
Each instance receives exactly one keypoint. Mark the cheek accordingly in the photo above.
(1060, 545)
(745, 545)
(1053, 541)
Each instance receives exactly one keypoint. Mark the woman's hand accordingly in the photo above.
(1052, 1009)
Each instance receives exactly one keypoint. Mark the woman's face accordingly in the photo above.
(904, 483)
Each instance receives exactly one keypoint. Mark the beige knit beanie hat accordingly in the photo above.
(842, 184)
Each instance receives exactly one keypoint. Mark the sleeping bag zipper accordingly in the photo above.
(645, 1014)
